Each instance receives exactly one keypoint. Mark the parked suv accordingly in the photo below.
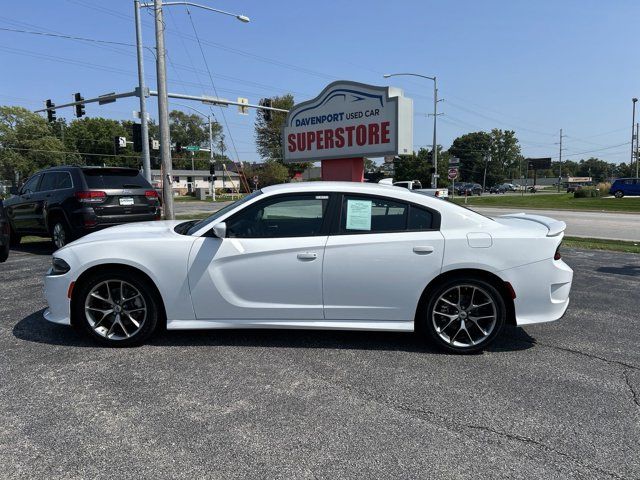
(625, 186)
(4, 235)
(65, 203)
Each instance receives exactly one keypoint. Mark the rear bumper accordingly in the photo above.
(542, 290)
(86, 221)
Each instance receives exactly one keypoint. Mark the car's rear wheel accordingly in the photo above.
(116, 309)
(60, 233)
(619, 194)
(463, 315)
(4, 253)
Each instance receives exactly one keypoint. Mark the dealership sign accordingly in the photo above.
(349, 119)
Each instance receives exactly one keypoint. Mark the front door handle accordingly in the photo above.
(307, 256)
(423, 250)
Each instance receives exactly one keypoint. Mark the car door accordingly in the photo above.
(268, 267)
(380, 259)
(23, 212)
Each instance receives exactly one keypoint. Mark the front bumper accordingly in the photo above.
(56, 289)
(542, 290)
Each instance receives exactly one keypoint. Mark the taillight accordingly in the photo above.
(557, 255)
(151, 194)
(91, 196)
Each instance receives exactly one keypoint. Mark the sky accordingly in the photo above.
(531, 66)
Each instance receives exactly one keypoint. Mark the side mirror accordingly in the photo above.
(14, 191)
(220, 230)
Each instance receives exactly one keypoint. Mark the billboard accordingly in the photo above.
(347, 120)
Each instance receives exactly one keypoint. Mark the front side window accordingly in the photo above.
(48, 182)
(290, 216)
(31, 184)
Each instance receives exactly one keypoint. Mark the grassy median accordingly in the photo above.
(562, 201)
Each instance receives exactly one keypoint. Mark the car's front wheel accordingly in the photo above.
(116, 309)
(463, 315)
(619, 194)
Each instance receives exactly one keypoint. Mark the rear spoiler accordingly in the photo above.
(555, 227)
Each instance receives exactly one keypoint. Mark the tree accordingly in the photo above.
(269, 173)
(506, 157)
(93, 138)
(268, 134)
(191, 129)
(27, 144)
(471, 149)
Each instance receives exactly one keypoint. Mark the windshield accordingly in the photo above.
(210, 219)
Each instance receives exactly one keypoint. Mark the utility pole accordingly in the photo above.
(637, 147)
(146, 156)
(163, 114)
(633, 124)
(434, 178)
(560, 163)
(212, 164)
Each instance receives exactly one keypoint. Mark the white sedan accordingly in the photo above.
(318, 255)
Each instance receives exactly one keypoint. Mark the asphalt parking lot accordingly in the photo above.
(550, 401)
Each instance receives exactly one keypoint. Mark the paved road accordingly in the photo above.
(620, 226)
(550, 401)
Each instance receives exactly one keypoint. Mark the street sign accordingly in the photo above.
(453, 173)
(538, 163)
(192, 148)
(155, 144)
(122, 142)
(454, 162)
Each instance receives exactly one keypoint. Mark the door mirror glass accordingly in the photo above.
(220, 230)
(14, 191)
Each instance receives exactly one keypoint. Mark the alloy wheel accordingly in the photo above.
(464, 316)
(115, 309)
(59, 235)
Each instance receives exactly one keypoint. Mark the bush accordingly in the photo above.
(603, 188)
(586, 192)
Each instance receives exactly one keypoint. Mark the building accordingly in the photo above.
(187, 181)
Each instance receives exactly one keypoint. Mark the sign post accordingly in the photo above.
(345, 123)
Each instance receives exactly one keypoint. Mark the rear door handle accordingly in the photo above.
(423, 250)
(307, 256)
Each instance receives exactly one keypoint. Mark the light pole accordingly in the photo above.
(434, 179)
(163, 100)
(633, 136)
(211, 161)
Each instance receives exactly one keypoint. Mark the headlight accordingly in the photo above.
(58, 266)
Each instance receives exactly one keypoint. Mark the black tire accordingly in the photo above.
(98, 332)
(426, 325)
(4, 253)
(60, 232)
(14, 238)
(619, 194)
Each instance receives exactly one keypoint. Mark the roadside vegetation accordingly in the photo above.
(601, 244)
(555, 201)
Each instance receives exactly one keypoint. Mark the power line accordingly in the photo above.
(68, 37)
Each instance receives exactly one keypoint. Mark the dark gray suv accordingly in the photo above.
(65, 203)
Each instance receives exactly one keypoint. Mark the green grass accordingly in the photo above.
(563, 201)
(601, 244)
(193, 216)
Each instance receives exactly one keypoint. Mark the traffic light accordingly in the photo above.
(212, 169)
(79, 107)
(137, 137)
(432, 170)
(51, 113)
(266, 114)
(119, 143)
(178, 147)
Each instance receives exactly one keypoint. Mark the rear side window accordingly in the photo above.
(114, 178)
(380, 215)
(55, 181)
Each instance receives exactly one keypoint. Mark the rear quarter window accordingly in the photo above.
(116, 178)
